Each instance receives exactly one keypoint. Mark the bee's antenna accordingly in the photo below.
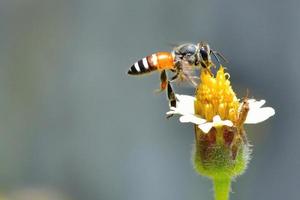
(221, 56)
(216, 54)
(216, 57)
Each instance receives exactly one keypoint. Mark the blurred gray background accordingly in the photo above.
(72, 121)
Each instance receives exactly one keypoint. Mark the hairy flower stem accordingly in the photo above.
(222, 188)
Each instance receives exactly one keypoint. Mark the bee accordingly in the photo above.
(183, 60)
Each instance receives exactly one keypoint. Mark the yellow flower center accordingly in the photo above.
(214, 96)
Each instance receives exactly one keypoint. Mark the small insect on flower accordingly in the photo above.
(182, 61)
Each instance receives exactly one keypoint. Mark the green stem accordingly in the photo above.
(222, 188)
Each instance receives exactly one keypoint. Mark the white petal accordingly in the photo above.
(253, 104)
(171, 112)
(227, 123)
(217, 119)
(191, 118)
(184, 105)
(185, 97)
(206, 127)
(258, 115)
(172, 108)
(256, 104)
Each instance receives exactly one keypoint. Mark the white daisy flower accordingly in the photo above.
(185, 108)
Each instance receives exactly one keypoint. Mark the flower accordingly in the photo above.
(185, 108)
(222, 151)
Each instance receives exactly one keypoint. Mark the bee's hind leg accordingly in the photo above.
(171, 97)
(165, 84)
(163, 81)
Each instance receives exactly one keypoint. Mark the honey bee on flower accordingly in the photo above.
(183, 60)
(221, 151)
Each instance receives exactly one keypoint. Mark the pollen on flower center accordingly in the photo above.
(214, 96)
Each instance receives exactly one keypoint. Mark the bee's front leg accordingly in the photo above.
(175, 76)
(207, 68)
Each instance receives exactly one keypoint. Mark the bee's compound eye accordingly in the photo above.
(204, 54)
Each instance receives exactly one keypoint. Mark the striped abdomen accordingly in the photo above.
(157, 61)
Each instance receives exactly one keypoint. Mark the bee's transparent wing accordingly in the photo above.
(177, 44)
(189, 74)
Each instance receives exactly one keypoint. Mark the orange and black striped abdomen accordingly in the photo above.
(157, 61)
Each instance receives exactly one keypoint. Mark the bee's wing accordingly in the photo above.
(189, 74)
(175, 45)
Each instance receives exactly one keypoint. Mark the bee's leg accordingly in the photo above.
(177, 70)
(174, 77)
(206, 68)
(163, 81)
(214, 65)
(171, 97)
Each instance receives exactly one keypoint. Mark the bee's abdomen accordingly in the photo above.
(157, 61)
(141, 67)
